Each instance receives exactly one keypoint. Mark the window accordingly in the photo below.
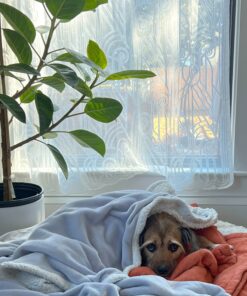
(175, 125)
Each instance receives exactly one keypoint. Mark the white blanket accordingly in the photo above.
(88, 247)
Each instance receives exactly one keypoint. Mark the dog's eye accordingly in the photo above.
(151, 247)
(173, 247)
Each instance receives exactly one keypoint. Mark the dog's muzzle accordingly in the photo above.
(163, 270)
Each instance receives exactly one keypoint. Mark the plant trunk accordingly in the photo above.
(8, 191)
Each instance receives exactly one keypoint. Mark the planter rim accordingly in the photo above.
(36, 192)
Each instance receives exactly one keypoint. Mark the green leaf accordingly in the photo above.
(140, 74)
(50, 135)
(55, 107)
(84, 101)
(21, 68)
(18, 21)
(65, 9)
(92, 4)
(102, 2)
(103, 109)
(45, 110)
(29, 95)
(19, 46)
(96, 54)
(86, 61)
(68, 9)
(74, 100)
(42, 29)
(54, 82)
(68, 57)
(68, 74)
(88, 139)
(71, 78)
(13, 107)
(83, 72)
(83, 88)
(59, 159)
(37, 128)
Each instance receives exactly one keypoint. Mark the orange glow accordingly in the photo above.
(165, 127)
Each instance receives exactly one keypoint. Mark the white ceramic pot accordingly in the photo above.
(25, 211)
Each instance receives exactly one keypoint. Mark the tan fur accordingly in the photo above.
(161, 233)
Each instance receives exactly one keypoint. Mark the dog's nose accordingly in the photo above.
(163, 270)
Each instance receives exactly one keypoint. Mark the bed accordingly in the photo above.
(90, 247)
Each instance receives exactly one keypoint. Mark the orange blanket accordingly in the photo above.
(222, 266)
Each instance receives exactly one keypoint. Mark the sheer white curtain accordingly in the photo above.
(176, 124)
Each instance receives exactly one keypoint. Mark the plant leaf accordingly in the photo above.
(86, 61)
(29, 95)
(21, 68)
(13, 107)
(102, 2)
(45, 111)
(42, 29)
(140, 74)
(65, 9)
(83, 72)
(18, 21)
(96, 54)
(68, 57)
(55, 107)
(68, 9)
(88, 139)
(68, 74)
(92, 4)
(54, 82)
(71, 78)
(19, 45)
(83, 88)
(59, 159)
(50, 135)
(103, 109)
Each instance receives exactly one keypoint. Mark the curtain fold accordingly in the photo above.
(176, 124)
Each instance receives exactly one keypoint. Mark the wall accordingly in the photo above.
(230, 203)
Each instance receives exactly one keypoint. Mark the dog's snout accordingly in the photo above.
(163, 270)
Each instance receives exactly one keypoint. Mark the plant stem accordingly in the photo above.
(76, 114)
(6, 149)
(41, 62)
(100, 83)
(8, 191)
(56, 50)
(43, 39)
(46, 11)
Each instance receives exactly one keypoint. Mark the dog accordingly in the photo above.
(164, 241)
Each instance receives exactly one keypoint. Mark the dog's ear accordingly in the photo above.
(186, 234)
(141, 242)
(147, 225)
(141, 238)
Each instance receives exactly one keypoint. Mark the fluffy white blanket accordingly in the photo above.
(88, 247)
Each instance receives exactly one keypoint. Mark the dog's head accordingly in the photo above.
(162, 243)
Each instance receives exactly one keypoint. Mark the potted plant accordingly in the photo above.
(19, 38)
